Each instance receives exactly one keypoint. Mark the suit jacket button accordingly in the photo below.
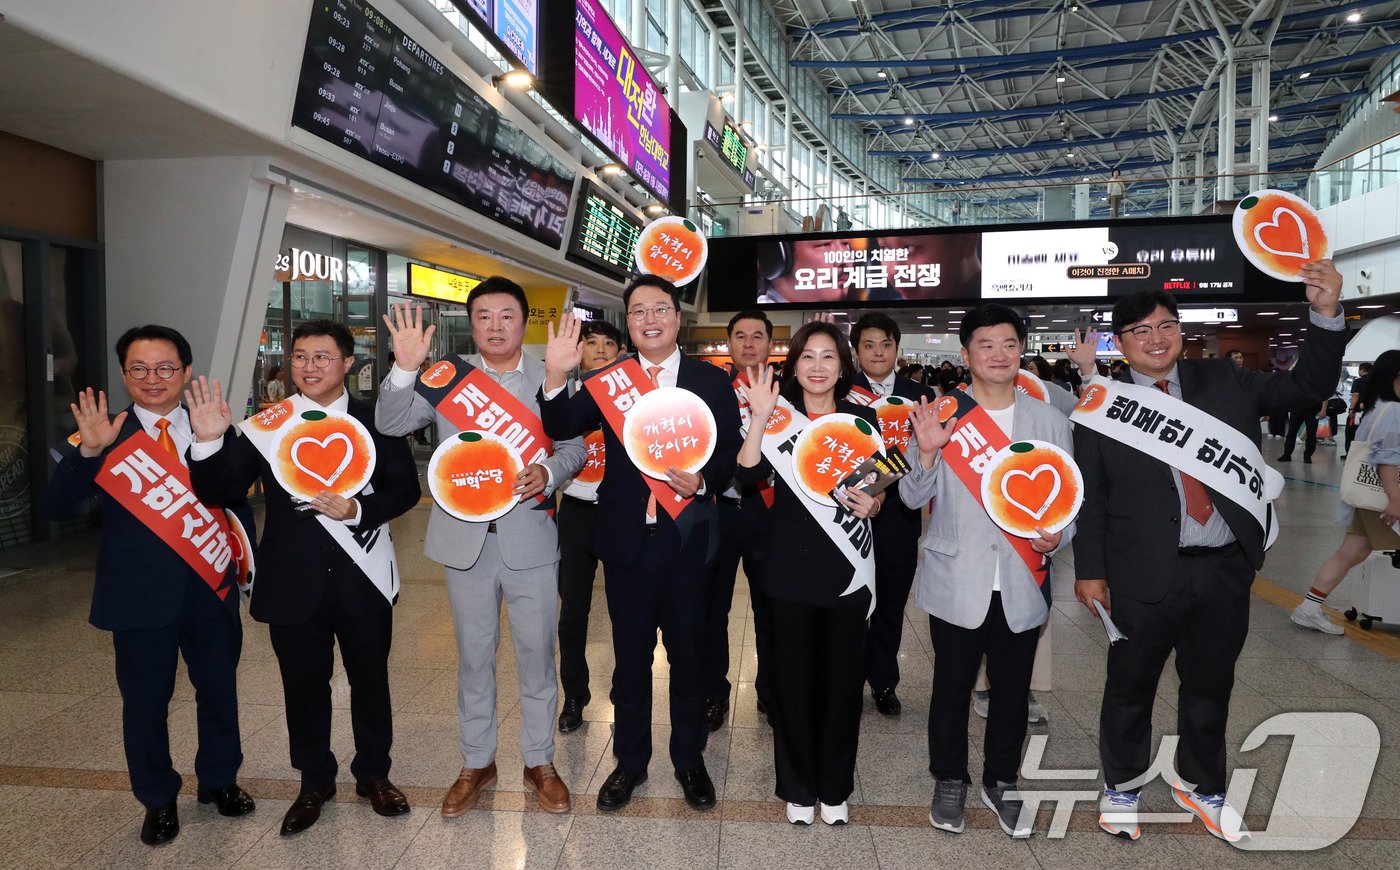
(1175, 519)
(994, 546)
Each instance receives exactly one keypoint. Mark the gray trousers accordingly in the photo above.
(531, 598)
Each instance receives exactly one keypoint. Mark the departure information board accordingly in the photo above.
(605, 236)
(731, 147)
(369, 88)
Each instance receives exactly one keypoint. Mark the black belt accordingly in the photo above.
(731, 501)
(1203, 551)
(652, 528)
(582, 501)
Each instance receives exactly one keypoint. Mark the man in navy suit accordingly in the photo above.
(311, 590)
(154, 603)
(875, 338)
(654, 568)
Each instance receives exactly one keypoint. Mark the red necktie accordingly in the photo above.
(164, 439)
(1198, 506)
(653, 372)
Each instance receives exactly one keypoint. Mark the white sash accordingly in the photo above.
(853, 537)
(1186, 438)
(371, 549)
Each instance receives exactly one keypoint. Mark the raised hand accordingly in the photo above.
(94, 427)
(1323, 285)
(411, 341)
(562, 352)
(928, 433)
(1083, 354)
(209, 413)
(761, 393)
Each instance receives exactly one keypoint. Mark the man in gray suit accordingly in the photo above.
(515, 557)
(979, 606)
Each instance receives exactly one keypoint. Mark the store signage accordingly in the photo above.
(440, 284)
(605, 235)
(618, 101)
(299, 265)
(730, 145)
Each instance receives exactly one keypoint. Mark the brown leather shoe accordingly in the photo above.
(384, 796)
(544, 781)
(467, 789)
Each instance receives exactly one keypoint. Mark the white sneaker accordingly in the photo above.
(1118, 813)
(1221, 819)
(800, 815)
(980, 702)
(837, 815)
(1316, 620)
(1035, 711)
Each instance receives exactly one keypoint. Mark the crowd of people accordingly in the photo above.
(1170, 558)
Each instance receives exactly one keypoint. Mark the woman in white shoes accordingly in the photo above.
(1367, 531)
(818, 631)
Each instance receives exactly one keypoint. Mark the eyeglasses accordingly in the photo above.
(138, 372)
(1166, 329)
(316, 361)
(660, 312)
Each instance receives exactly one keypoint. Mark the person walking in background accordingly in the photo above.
(1115, 194)
(275, 389)
(1357, 408)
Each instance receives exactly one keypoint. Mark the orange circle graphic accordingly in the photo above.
(1030, 485)
(268, 419)
(332, 452)
(1279, 232)
(1093, 398)
(593, 465)
(946, 407)
(829, 450)
(778, 421)
(1031, 385)
(669, 427)
(242, 547)
(472, 476)
(673, 248)
(894, 421)
(439, 374)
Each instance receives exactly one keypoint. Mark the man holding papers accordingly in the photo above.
(1174, 526)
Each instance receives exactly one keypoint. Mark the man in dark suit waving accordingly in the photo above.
(1176, 559)
(654, 567)
(875, 338)
(156, 604)
(311, 588)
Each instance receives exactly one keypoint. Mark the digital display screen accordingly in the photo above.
(516, 23)
(617, 100)
(730, 145)
(1192, 258)
(372, 90)
(605, 236)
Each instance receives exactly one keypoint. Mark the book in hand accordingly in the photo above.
(873, 476)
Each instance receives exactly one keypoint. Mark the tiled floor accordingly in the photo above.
(64, 798)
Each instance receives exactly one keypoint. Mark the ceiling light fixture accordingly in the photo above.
(882, 74)
(1353, 17)
(908, 121)
(935, 156)
(609, 169)
(516, 78)
(1303, 75)
(1273, 117)
(1059, 80)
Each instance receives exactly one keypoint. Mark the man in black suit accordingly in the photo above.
(744, 526)
(156, 605)
(875, 338)
(310, 589)
(1176, 558)
(654, 568)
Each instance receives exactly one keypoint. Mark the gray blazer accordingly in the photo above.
(528, 537)
(955, 571)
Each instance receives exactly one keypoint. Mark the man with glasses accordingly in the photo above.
(152, 600)
(514, 558)
(654, 568)
(316, 585)
(1174, 559)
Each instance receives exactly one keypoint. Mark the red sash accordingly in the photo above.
(472, 401)
(861, 396)
(975, 440)
(155, 487)
(616, 389)
(765, 487)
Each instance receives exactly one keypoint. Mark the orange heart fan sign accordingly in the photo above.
(472, 476)
(669, 428)
(320, 450)
(1030, 485)
(829, 450)
(1278, 233)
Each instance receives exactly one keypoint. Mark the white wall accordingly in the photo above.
(1365, 234)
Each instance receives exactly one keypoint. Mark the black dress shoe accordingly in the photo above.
(571, 716)
(161, 825)
(762, 708)
(699, 790)
(617, 789)
(715, 713)
(231, 800)
(887, 702)
(386, 799)
(305, 810)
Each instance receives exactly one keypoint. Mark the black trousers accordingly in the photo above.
(1297, 420)
(739, 541)
(1204, 618)
(211, 640)
(819, 652)
(578, 566)
(957, 654)
(896, 558)
(306, 657)
(1278, 424)
(659, 591)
